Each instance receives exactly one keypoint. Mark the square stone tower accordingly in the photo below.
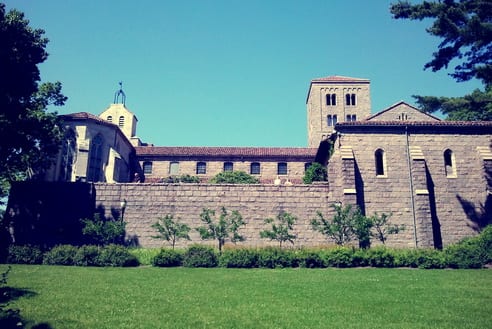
(335, 99)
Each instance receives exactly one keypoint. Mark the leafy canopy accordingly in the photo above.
(234, 177)
(465, 28)
(29, 135)
(170, 230)
(281, 228)
(315, 173)
(223, 228)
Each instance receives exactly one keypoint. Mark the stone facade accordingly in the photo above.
(147, 202)
(335, 99)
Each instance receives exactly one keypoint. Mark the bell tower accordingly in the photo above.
(121, 116)
(335, 99)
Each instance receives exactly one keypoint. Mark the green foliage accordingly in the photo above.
(200, 256)
(29, 135)
(87, 256)
(170, 230)
(381, 257)
(103, 231)
(24, 255)
(315, 173)
(182, 179)
(421, 258)
(362, 230)
(145, 255)
(61, 255)
(339, 257)
(383, 228)
(233, 177)
(281, 229)
(239, 258)
(116, 256)
(465, 29)
(221, 229)
(311, 259)
(341, 228)
(168, 258)
(271, 257)
(468, 253)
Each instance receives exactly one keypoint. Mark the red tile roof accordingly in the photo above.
(471, 124)
(252, 152)
(338, 78)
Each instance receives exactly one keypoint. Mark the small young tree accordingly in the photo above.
(362, 229)
(383, 228)
(315, 173)
(281, 228)
(226, 227)
(341, 228)
(103, 231)
(170, 230)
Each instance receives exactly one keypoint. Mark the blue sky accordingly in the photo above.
(229, 73)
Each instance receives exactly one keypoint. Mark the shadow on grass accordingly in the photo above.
(11, 318)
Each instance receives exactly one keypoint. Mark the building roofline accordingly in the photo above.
(336, 79)
(398, 104)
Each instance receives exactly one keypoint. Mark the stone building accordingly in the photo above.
(433, 176)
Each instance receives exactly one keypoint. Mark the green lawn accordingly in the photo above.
(146, 297)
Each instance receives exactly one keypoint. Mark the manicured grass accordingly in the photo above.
(147, 297)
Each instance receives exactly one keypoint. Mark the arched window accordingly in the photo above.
(350, 99)
(147, 167)
(201, 168)
(121, 121)
(109, 118)
(282, 168)
(335, 119)
(380, 162)
(174, 168)
(68, 154)
(331, 99)
(228, 166)
(95, 159)
(255, 168)
(449, 163)
(329, 120)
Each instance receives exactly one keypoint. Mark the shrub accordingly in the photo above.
(199, 256)
(281, 228)
(233, 177)
(117, 256)
(239, 258)
(103, 231)
(271, 257)
(144, 255)
(87, 256)
(426, 258)
(168, 258)
(315, 173)
(468, 253)
(60, 255)
(339, 257)
(381, 257)
(311, 259)
(485, 238)
(24, 255)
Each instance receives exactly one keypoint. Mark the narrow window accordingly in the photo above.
(255, 168)
(354, 117)
(201, 168)
(333, 99)
(307, 165)
(329, 120)
(380, 162)
(352, 99)
(68, 153)
(282, 168)
(328, 99)
(228, 166)
(95, 159)
(334, 119)
(109, 118)
(349, 118)
(347, 99)
(147, 167)
(121, 121)
(449, 163)
(174, 168)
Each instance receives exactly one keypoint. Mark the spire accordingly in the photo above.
(117, 95)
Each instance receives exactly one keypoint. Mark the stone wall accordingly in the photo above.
(147, 202)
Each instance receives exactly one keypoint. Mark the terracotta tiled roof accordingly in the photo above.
(470, 124)
(86, 116)
(338, 78)
(198, 151)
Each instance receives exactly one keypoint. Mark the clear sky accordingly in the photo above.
(231, 72)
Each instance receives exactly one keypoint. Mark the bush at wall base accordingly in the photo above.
(200, 256)
(168, 258)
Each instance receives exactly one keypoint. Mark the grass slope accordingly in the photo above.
(146, 297)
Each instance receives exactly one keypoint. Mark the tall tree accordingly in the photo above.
(29, 134)
(465, 27)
